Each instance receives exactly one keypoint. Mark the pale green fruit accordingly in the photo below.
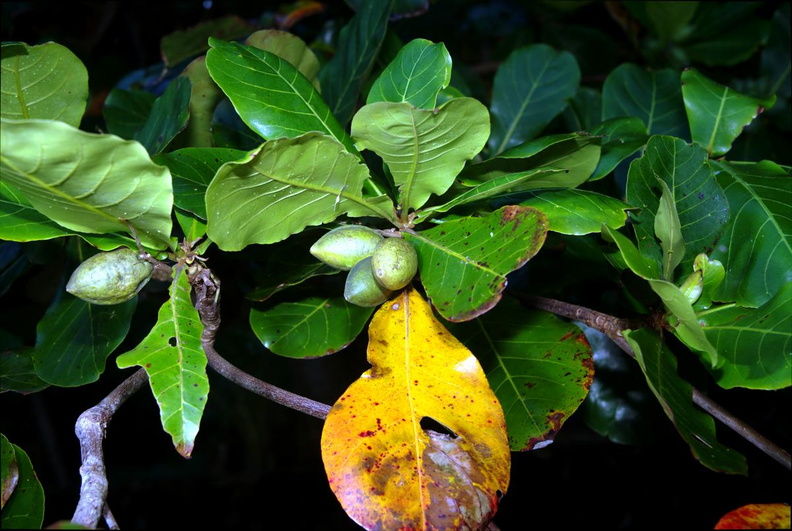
(110, 278)
(345, 246)
(361, 288)
(394, 263)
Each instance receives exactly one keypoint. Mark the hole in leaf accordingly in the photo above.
(172, 341)
(430, 424)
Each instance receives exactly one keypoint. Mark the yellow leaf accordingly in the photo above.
(419, 441)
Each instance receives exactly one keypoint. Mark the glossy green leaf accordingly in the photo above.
(682, 318)
(47, 82)
(576, 154)
(313, 327)
(358, 44)
(716, 113)
(126, 111)
(675, 395)
(701, 205)
(69, 352)
(175, 362)
(87, 182)
(192, 170)
(756, 247)
(530, 89)
(290, 47)
(667, 228)
(424, 149)
(621, 138)
(272, 97)
(654, 97)
(753, 344)
(24, 509)
(285, 186)
(192, 227)
(464, 263)
(417, 74)
(169, 115)
(578, 212)
(539, 367)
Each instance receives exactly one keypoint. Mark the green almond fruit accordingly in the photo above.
(110, 277)
(345, 246)
(394, 263)
(361, 288)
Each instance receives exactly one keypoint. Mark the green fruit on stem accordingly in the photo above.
(110, 277)
(361, 288)
(345, 246)
(394, 263)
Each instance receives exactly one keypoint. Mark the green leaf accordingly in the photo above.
(530, 88)
(204, 97)
(753, 344)
(167, 118)
(760, 195)
(717, 114)
(667, 228)
(424, 149)
(289, 47)
(47, 82)
(539, 367)
(313, 327)
(654, 97)
(682, 318)
(416, 76)
(25, 507)
(175, 362)
(676, 396)
(126, 111)
(464, 263)
(285, 186)
(358, 44)
(17, 372)
(577, 212)
(181, 45)
(69, 352)
(576, 154)
(622, 137)
(192, 170)
(701, 205)
(670, 19)
(272, 97)
(87, 182)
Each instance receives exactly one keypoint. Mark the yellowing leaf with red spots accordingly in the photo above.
(419, 441)
(757, 516)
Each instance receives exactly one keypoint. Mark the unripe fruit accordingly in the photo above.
(361, 288)
(110, 277)
(394, 263)
(345, 246)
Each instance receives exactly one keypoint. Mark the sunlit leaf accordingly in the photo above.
(419, 441)
(312, 327)
(539, 367)
(530, 89)
(285, 186)
(756, 247)
(69, 352)
(417, 74)
(87, 182)
(175, 362)
(757, 516)
(716, 113)
(290, 47)
(675, 395)
(464, 263)
(47, 82)
(753, 344)
(577, 212)
(25, 507)
(424, 149)
(272, 97)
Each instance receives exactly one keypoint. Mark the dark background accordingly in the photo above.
(256, 464)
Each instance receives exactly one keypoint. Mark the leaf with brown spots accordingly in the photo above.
(419, 441)
(464, 263)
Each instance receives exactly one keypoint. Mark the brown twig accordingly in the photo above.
(613, 326)
(90, 430)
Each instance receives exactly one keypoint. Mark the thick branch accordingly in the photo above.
(90, 429)
(613, 327)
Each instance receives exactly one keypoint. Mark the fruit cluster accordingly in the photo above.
(377, 265)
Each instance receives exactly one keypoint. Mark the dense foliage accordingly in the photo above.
(571, 243)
